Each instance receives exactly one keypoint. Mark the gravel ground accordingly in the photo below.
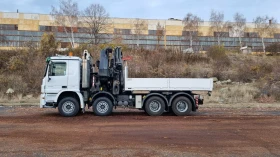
(215, 131)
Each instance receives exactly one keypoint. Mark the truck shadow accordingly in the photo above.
(114, 114)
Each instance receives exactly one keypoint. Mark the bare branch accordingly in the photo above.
(96, 18)
(239, 26)
(160, 32)
(218, 25)
(191, 25)
(67, 16)
(265, 26)
(139, 27)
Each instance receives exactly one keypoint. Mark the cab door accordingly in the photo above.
(57, 79)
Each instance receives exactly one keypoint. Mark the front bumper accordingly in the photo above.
(42, 101)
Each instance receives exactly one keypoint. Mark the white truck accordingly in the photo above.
(71, 83)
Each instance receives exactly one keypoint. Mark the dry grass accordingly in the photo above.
(12, 81)
(165, 63)
(234, 94)
(22, 70)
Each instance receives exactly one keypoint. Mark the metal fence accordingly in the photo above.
(15, 38)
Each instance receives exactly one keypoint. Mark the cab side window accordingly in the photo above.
(58, 69)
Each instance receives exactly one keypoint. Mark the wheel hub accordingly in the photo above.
(102, 107)
(182, 106)
(68, 107)
(155, 106)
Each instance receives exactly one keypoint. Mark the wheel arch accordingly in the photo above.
(156, 94)
(103, 94)
(78, 96)
(183, 94)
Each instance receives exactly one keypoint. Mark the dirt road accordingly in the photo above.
(30, 131)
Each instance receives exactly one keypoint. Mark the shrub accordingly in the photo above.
(221, 61)
(217, 53)
(270, 84)
(15, 82)
(48, 45)
(273, 48)
(250, 70)
(4, 59)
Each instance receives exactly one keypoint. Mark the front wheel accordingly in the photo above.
(68, 107)
(102, 106)
(182, 106)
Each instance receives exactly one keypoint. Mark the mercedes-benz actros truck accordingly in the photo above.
(73, 83)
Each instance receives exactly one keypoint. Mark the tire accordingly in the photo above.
(154, 106)
(181, 106)
(68, 107)
(102, 106)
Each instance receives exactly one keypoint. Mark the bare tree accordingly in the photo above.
(239, 26)
(159, 33)
(66, 16)
(139, 27)
(265, 26)
(96, 19)
(218, 25)
(191, 24)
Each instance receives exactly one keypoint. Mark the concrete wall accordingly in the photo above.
(173, 27)
(32, 22)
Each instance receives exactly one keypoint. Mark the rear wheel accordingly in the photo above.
(102, 106)
(154, 106)
(182, 106)
(68, 107)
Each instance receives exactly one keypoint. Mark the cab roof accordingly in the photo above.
(65, 58)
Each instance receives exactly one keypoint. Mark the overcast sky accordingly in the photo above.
(157, 9)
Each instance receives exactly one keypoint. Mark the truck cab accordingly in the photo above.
(62, 79)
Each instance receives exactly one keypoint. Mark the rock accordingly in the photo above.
(219, 83)
(223, 90)
(226, 82)
(236, 83)
(10, 91)
(215, 79)
(229, 81)
(29, 96)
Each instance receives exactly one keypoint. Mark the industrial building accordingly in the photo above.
(18, 28)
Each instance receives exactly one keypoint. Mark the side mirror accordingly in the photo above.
(50, 70)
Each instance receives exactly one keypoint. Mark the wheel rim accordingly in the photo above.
(182, 106)
(68, 107)
(102, 107)
(155, 106)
